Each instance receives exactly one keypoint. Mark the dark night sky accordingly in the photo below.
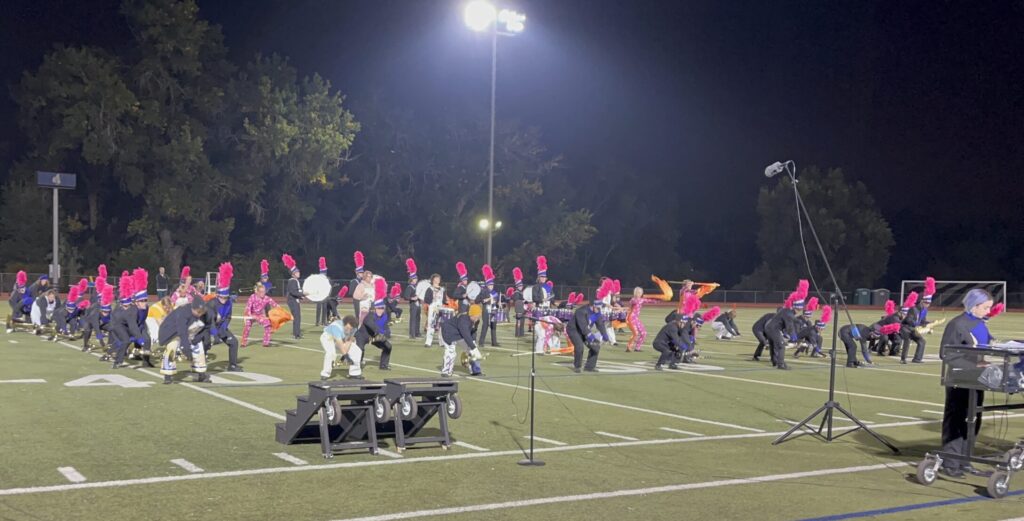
(921, 100)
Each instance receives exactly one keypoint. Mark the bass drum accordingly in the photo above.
(528, 294)
(317, 287)
(473, 291)
(421, 289)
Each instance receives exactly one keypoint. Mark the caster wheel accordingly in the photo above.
(382, 409)
(328, 456)
(445, 447)
(400, 449)
(1015, 460)
(407, 407)
(998, 484)
(926, 473)
(333, 411)
(374, 451)
(453, 406)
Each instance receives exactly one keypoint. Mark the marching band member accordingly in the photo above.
(265, 276)
(183, 295)
(725, 325)
(295, 295)
(184, 328)
(321, 307)
(394, 312)
(219, 309)
(256, 311)
(357, 306)
(18, 293)
(460, 293)
(549, 330)
(762, 338)
(917, 317)
(579, 330)
(43, 308)
(64, 318)
(414, 302)
(39, 287)
(458, 333)
(198, 290)
(781, 329)
(124, 324)
(805, 328)
(365, 295)
(606, 304)
(434, 299)
(488, 299)
(97, 318)
(338, 339)
(671, 343)
(633, 320)
(541, 290)
(886, 344)
(140, 284)
(692, 327)
(374, 328)
(519, 302)
(155, 316)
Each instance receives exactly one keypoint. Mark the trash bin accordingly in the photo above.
(862, 297)
(879, 296)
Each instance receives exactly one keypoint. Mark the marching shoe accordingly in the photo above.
(356, 377)
(201, 377)
(673, 366)
(480, 373)
(324, 378)
(121, 365)
(234, 368)
(577, 370)
(657, 367)
(755, 359)
(385, 368)
(167, 379)
(782, 366)
(592, 370)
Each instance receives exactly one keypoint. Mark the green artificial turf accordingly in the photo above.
(730, 410)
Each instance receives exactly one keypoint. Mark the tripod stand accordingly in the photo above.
(829, 408)
(530, 461)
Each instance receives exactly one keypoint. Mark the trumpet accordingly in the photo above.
(927, 329)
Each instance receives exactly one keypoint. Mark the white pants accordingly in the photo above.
(331, 354)
(448, 362)
(610, 331)
(169, 366)
(547, 338)
(432, 311)
(720, 331)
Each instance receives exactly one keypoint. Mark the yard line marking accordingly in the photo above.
(71, 474)
(898, 417)
(621, 406)
(677, 431)
(388, 453)
(224, 397)
(940, 413)
(619, 436)
(291, 459)
(805, 388)
(628, 492)
(424, 459)
(26, 381)
(187, 465)
(866, 422)
(13, 341)
(470, 446)
(545, 440)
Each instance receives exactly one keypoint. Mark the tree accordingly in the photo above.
(853, 232)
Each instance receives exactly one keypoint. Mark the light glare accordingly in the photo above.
(513, 21)
(479, 15)
(484, 223)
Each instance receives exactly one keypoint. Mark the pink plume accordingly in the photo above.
(572, 297)
(101, 271)
(140, 280)
(288, 261)
(929, 286)
(542, 263)
(380, 288)
(911, 300)
(517, 274)
(73, 294)
(185, 272)
(125, 274)
(826, 314)
(812, 304)
(107, 297)
(801, 288)
(359, 260)
(488, 272)
(712, 314)
(788, 304)
(83, 304)
(21, 278)
(617, 288)
(410, 266)
(510, 291)
(323, 263)
(691, 305)
(101, 284)
(890, 329)
(343, 292)
(996, 310)
(396, 290)
(890, 307)
(124, 287)
(225, 273)
(264, 267)
(83, 286)
(460, 267)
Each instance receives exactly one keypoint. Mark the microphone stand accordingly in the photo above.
(827, 410)
(530, 461)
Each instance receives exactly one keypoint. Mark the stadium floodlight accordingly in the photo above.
(513, 21)
(484, 224)
(497, 225)
(479, 15)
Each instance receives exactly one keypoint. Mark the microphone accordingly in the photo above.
(774, 169)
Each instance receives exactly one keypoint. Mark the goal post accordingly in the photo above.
(950, 293)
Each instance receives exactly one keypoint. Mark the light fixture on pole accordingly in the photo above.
(480, 16)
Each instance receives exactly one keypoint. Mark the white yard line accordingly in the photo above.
(291, 459)
(805, 388)
(940, 413)
(545, 440)
(13, 341)
(898, 417)
(71, 474)
(187, 465)
(224, 397)
(612, 435)
(423, 459)
(389, 454)
(575, 498)
(677, 431)
(26, 381)
(470, 446)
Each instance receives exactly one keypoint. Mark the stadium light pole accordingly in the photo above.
(480, 16)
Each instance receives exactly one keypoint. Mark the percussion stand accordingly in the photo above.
(827, 410)
(530, 461)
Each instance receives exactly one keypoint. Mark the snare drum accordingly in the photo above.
(501, 315)
(564, 315)
(443, 316)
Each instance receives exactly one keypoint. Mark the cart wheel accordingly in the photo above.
(1015, 460)
(445, 447)
(328, 456)
(998, 484)
(382, 409)
(453, 406)
(375, 451)
(926, 472)
(407, 407)
(400, 449)
(333, 411)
